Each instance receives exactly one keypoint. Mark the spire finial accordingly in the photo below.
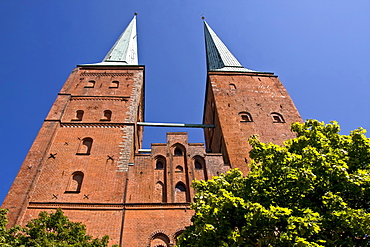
(135, 13)
(203, 18)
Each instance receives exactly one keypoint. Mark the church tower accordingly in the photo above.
(241, 102)
(87, 157)
(80, 157)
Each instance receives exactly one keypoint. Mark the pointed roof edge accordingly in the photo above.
(219, 57)
(124, 51)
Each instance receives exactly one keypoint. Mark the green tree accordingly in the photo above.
(312, 191)
(54, 229)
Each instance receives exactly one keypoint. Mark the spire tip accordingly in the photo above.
(135, 14)
(203, 18)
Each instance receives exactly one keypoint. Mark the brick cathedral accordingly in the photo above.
(88, 160)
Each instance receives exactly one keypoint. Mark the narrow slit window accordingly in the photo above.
(114, 84)
(90, 84)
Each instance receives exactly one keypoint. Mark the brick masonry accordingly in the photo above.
(262, 96)
(87, 161)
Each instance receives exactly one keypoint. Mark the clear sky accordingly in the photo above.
(319, 49)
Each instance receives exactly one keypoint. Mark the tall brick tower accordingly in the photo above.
(241, 102)
(79, 159)
(87, 158)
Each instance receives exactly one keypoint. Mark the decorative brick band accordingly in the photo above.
(160, 206)
(92, 125)
(85, 206)
(99, 98)
(109, 206)
(106, 74)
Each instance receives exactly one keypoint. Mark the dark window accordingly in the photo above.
(75, 183)
(107, 115)
(179, 169)
(159, 165)
(180, 187)
(277, 118)
(245, 117)
(90, 84)
(85, 146)
(79, 115)
(198, 165)
(178, 152)
(114, 84)
(232, 86)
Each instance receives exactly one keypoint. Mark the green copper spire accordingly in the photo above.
(219, 58)
(125, 48)
(124, 51)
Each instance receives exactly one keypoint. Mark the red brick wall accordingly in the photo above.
(230, 93)
(153, 212)
(46, 176)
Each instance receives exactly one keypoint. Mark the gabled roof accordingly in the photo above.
(219, 58)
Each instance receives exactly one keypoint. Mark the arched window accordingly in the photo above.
(160, 162)
(180, 187)
(79, 115)
(277, 118)
(159, 165)
(114, 84)
(90, 84)
(198, 165)
(75, 183)
(160, 240)
(159, 192)
(107, 115)
(179, 169)
(85, 146)
(177, 234)
(178, 152)
(232, 86)
(245, 117)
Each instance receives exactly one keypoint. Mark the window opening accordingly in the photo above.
(245, 117)
(114, 84)
(90, 84)
(277, 118)
(85, 146)
(159, 192)
(75, 183)
(79, 115)
(178, 152)
(159, 165)
(198, 165)
(180, 187)
(179, 169)
(107, 115)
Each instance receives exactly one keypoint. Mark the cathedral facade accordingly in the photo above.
(88, 159)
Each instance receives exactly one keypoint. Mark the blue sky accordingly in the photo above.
(319, 49)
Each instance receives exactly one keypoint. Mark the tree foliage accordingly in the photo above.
(53, 229)
(312, 191)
